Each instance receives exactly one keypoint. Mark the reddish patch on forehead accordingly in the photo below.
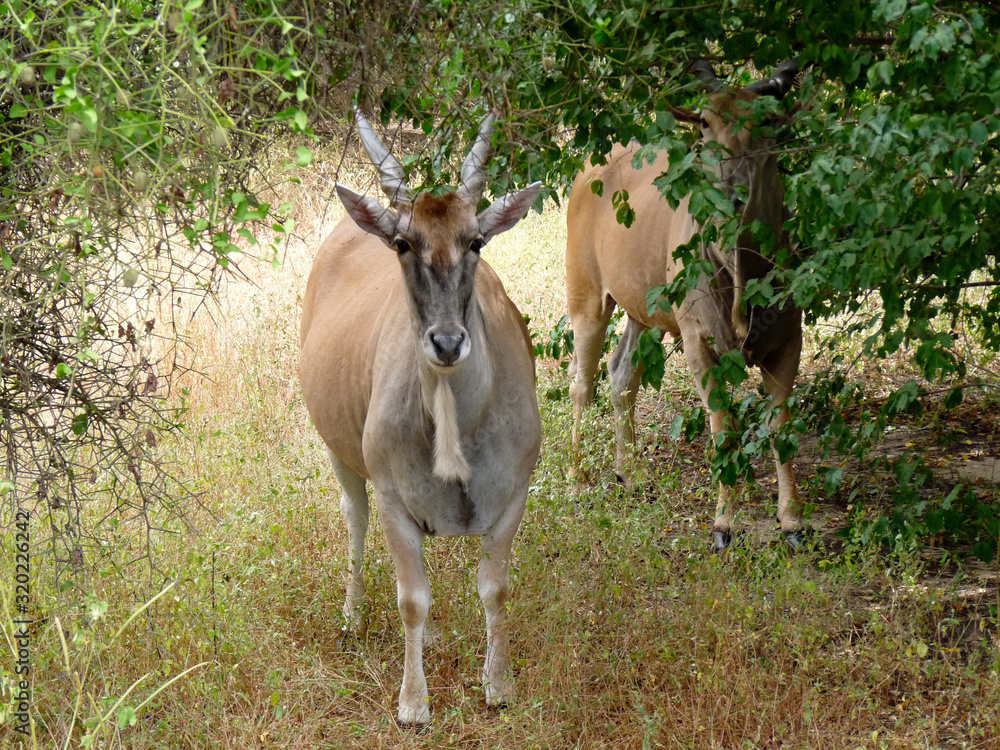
(731, 101)
(440, 221)
(427, 207)
(724, 111)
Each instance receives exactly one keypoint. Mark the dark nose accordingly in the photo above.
(447, 346)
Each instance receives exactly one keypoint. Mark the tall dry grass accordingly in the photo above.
(625, 631)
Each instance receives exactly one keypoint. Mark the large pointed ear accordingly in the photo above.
(507, 211)
(369, 214)
(686, 115)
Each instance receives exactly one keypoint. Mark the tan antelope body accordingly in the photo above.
(418, 373)
(608, 265)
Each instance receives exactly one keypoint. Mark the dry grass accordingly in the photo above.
(625, 632)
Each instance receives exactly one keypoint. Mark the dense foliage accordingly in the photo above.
(130, 141)
(890, 146)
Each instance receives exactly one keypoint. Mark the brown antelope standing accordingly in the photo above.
(418, 373)
(608, 264)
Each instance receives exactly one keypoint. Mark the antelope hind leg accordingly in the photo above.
(494, 590)
(625, 380)
(589, 331)
(354, 506)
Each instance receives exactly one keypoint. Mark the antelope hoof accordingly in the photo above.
(354, 619)
(720, 540)
(418, 718)
(625, 480)
(578, 478)
(796, 539)
(499, 695)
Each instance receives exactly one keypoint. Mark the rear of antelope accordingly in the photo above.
(608, 265)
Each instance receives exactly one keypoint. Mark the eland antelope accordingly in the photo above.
(419, 375)
(608, 264)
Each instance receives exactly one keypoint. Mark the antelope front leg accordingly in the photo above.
(494, 589)
(413, 597)
(700, 361)
(725, 509)
(778, 379)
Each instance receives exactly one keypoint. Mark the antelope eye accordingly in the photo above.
(400, 245)
(476, 245)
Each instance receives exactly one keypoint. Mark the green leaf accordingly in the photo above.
(733, 367)
(695, 424)
(96, 609)
(935, 521)
(88, 116)
(954, 398)
(625, 215)
(677, 428)
(723, 206)
(832, 480)
(245, 213)
(881, 71)
(651, 355)
(126, 717)
(80, 423)
(303, 157)
(893, 9)
(653, 299)
(301, 122)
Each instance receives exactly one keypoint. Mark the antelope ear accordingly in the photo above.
(686, 115)
(369, 214)
(507, 211)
